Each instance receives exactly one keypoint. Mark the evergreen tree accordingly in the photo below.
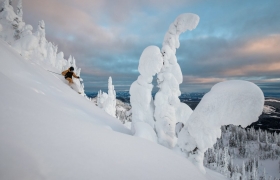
(275, 138)
(5, 5)
(242, 150)
(19, 9)
(243, 177)
(232, 140)
(263, 176)
(225, 162)
(266, 138)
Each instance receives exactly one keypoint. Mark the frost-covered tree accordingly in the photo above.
(168, 108)
(41, 35)
(225, 162)
(101, 97)
(266, 138)
(140, 91)
(109, 105)
(219, 107)
(275, 138)
(61, 62)
(244, 176)
(242, 149)
(19, 10)
(10, 23)
(4, 5)
(51, 53)
(27, 43)
(107, 102)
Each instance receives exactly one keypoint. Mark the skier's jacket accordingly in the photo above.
(68, 74)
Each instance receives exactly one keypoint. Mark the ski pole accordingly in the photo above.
(53, 72)
(81, 80)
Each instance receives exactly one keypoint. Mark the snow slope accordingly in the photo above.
(48, 131)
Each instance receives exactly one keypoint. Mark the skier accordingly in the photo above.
(68, 75)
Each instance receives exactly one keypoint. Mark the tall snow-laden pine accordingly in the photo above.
(107, 102)
(19, 10)
(244, 176)
(41, 35)
(110, 103)
(4, 5)
(168, 108)
(140, 91)
(9, 21)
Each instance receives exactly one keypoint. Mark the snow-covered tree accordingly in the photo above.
(140, 91)
(244, 176)
(168, 108)
(4, 5)
(60, 62)
(110, 103)
(225, 163)
(219, 107)
(10, 22)
(41, 35)
(107, 102)
(266, 138)
(19, 9)
(51, 53)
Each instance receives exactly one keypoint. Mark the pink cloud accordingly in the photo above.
(200, 80)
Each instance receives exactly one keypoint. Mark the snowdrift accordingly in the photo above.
(48, 131)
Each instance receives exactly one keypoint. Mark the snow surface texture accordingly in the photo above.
(141, 98)
(49, 131)
(107, 102)
(168, 108)
(34, 45)
(231, 102)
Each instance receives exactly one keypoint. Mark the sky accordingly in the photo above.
(235, 39)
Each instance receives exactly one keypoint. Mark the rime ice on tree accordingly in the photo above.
(168, 108)
(60, 62)
(19, 10)
(107, 102)
(141, 98)
(41, 35)
(110, 103)
(231, 102)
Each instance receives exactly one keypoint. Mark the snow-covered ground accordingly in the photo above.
(49, 131)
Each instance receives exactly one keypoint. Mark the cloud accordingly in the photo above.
(234, 39)
(218, 57)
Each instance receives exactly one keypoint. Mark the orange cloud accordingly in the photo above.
(260, 68)
(199, 80)
(267, 45)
